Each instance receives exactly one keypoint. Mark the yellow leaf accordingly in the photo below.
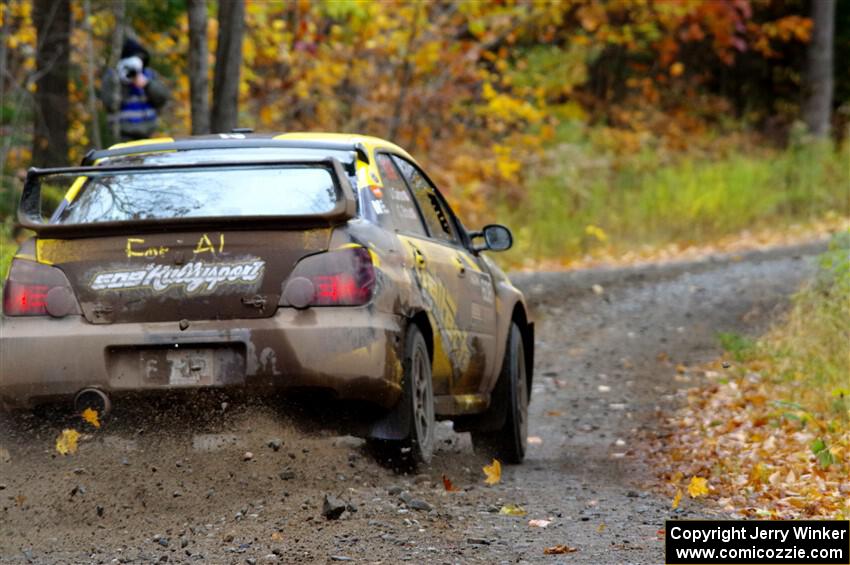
(67, 442)
(677, 499)
(90, 416)
(596, 232)
(698, 487)
(493, 471)
(513, 510)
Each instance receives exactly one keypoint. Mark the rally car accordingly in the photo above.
(294, 261)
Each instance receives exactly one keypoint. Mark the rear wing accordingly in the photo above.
(30, 213)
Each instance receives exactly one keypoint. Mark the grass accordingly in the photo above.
(810, 354)
(8, 247)
(739, 347)
(584, 205)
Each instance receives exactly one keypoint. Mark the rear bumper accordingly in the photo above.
(352, 351)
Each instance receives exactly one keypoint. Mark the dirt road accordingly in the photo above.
(243, 483)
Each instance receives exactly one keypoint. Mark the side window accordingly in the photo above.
(436, 216)
(397, 198)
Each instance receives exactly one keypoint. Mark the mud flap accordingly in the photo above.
(394, 426)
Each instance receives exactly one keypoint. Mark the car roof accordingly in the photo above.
(364, 145)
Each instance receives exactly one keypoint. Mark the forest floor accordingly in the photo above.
(245, 482)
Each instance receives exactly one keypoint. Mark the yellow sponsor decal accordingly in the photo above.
(444, 310)
(148, 252)
(205, 245)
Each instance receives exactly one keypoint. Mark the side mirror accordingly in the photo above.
(496, 238)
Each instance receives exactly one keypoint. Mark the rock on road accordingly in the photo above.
(243, 483)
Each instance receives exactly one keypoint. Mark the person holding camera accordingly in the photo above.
(133, 93)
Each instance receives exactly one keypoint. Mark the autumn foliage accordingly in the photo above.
(769, 431)
(494, 78)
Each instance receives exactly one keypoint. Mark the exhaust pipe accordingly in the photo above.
(93, 398)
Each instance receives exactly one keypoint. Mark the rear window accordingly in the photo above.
(201, 193)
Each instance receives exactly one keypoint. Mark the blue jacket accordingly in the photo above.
(137, 109)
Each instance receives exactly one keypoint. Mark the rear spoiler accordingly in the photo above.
(29, 210)
(217, 143)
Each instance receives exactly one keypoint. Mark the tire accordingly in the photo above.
(508, 444)
(416, 408)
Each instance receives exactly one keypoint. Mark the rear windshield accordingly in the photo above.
(278, 190)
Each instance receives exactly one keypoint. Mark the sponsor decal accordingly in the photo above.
(444, 309)
(400, 195)
(195, 276)
(379, 207)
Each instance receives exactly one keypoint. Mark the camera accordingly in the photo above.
(129, 67)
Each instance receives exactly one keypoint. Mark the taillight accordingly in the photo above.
(337, 278)
(34, 289)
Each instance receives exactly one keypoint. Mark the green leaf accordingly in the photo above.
(817, 446)
(825, 458)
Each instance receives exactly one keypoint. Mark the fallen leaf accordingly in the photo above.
(559, 549)
(493, 471)
(512, 510)
(539, 523)
(601, 527)
(535, 440)
(277, 536)
(677, 499)
(90, 415)
(698, 487)
(20, 499)
(554, 413)
(67, 441)
(447, 484)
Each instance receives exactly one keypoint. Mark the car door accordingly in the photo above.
(459, 290)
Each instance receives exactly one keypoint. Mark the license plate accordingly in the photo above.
(190, 367)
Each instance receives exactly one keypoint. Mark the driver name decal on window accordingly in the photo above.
(196, 276)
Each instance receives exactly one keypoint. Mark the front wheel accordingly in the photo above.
(509, 443)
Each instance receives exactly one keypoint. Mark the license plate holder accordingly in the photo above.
(190, 367)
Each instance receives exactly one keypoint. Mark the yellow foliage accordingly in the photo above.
(512, 510)
(698, 487)
(677, 499)
(66, 443)
(91, 416)
(493, 472)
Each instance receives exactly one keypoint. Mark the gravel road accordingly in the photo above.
(245, 482)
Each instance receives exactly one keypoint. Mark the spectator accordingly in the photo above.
(140, 96)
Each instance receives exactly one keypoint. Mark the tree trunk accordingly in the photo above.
(90, 72)
(119, 11)
(228, 59)
(817, 110)
(52, 20)
(198, 66)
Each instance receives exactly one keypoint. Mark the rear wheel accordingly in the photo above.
(416, 406)
(509, 442)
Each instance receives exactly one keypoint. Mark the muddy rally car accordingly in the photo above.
(299, 261)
